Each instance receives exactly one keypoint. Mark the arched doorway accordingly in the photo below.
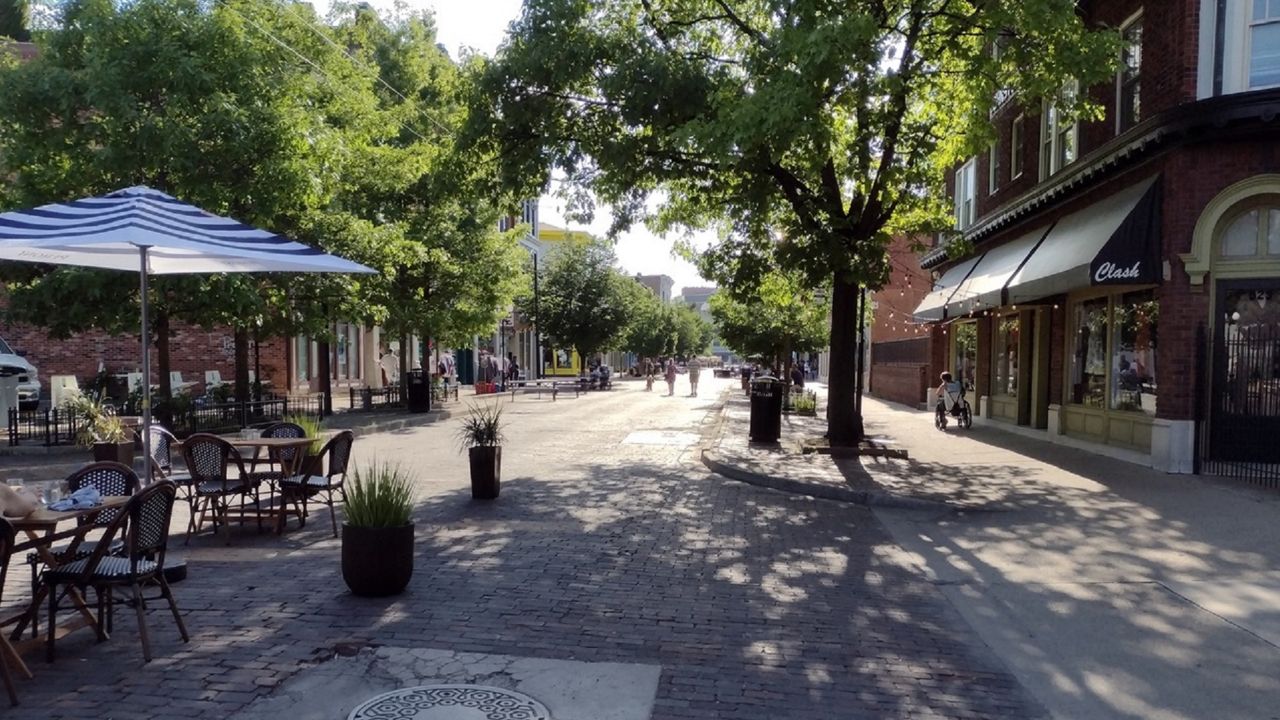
(1237, 246)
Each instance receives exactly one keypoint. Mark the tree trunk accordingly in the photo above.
(242, 365)
(404, 365)
(844, 422)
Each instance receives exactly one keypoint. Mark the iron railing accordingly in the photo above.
(59, 426)
(1243, 407)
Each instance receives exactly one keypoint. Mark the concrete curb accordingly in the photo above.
(400, 421)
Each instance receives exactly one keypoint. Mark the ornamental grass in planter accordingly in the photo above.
(313, 463)
(377, 535)
(481, 435)
(101, 430)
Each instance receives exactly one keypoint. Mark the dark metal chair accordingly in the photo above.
(109, 478)
(336, 455)
(208, 459)
(144, 522)
(7, 541)
(278, 460)
(162, 442)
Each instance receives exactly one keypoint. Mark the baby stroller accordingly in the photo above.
(953, 403)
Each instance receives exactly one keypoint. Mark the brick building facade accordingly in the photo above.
(1118, 292)
(902, 359)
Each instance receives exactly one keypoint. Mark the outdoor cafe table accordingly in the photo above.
(41, 529)
(274, 446)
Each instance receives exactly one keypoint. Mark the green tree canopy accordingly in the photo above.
(585, 301)
(808, 132)
(693, 335)
(651, 330)
(15, 20)
(782, 317)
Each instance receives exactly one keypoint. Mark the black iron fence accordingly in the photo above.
(1243, 406)
(60, 426)
(375, 398)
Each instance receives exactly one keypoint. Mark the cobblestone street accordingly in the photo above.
(610, 543)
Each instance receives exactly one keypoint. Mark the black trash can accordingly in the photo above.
(418, 389)
(766, 409)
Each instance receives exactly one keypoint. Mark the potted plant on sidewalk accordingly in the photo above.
(377, 535)
(101, 430)
(481, 435)
(313, 462)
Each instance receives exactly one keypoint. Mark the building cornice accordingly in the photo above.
(1192, 122)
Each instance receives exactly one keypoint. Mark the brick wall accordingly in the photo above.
(192, 351)
(905, 384)
(897, 300)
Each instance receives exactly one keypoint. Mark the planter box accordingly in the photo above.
(114, 452)
(486, 467)
(377, 561)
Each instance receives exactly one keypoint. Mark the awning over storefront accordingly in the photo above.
(933, 307)
(1113, 242)
(983, 289)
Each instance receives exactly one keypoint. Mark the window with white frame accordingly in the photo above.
(1264, 44)
(1016, 137)
(966, 194)
(1128, 80)
(1058, 133)
(993, 168)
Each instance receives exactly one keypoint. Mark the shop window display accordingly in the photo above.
(1133, 353)
(1089, 356)
(965, 362)
(1006, 360)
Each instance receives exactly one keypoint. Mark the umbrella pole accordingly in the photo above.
(146, 370)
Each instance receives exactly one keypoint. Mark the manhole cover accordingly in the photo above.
(452, 702)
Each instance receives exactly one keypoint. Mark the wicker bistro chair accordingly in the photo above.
(209, 458)
(162, 442)
(277, 460)
(144, 524)
(306, 486)
(110, 478)
(7, 541)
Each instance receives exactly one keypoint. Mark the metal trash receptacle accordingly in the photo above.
(766, 410)
(418, 390)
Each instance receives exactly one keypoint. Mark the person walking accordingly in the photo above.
(649, 371)
(695, 369)
(671, 377)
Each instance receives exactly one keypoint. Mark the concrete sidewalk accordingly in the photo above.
(1111, 590)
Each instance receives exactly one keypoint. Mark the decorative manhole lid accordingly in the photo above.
(452, 702)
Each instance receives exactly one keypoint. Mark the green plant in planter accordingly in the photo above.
(379, 495)
(311, 427)
(806, 403)
(482, 427)
(100, 425)
(480, 434)
(377, 536)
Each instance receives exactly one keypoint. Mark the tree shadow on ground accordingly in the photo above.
(755, 604)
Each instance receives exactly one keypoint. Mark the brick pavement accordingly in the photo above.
(756, 604)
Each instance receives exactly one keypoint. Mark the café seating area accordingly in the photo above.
(98, 541)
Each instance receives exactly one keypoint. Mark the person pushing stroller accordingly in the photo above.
(951, 401)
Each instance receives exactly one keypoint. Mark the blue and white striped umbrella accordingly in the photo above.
(110, 231)
(146, 231)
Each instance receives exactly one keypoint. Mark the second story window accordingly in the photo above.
(966, 194)
(1264, 44)
(1017, 136)
(1128, 83)
(993, 168)
(1058, 133)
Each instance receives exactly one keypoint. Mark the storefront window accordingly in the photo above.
(301, 363)
(964, 364)
(1089, 356)
(1006, 360)
(1133, 361)
(342, 351)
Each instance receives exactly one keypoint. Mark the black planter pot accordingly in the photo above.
(114, 452)
(486, 466)
(377, 561)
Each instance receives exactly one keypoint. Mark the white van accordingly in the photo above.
(12, 363)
